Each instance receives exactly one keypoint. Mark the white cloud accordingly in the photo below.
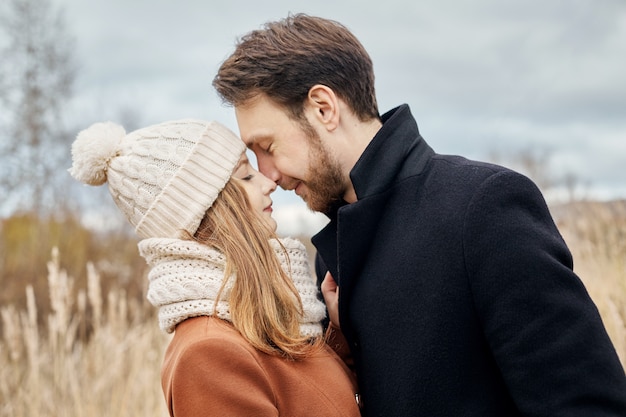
(478, 75)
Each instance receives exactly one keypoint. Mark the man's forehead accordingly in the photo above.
(256, 119)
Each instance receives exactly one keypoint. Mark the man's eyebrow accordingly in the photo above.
(249, 142)
(256, 139)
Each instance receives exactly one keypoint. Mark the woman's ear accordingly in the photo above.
(322, 104)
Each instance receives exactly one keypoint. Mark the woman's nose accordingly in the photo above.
(269, 184)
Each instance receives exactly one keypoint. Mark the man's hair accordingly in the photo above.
(285, 58)
(264, 304)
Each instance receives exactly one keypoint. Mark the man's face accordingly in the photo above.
(290, 153)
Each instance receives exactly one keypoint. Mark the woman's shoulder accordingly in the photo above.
(211, 343)
(208, 334)
(209, 365)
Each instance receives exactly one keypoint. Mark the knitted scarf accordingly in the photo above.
(185, 277)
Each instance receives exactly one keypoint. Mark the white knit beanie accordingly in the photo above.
(164, 177)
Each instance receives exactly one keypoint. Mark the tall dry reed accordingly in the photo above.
(91, 358)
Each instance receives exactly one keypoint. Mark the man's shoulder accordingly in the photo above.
(464, 164)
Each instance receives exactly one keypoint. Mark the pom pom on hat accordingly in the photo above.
(93, 150)
(164, 177)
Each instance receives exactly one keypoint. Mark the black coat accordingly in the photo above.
(457, 294)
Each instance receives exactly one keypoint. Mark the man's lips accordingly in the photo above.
(298, 188)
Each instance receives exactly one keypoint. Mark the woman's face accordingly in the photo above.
(258, 188)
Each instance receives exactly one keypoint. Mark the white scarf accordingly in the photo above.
(185, 277)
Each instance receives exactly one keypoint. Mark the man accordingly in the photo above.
(457, 294)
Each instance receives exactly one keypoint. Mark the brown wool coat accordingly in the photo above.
(211, 370)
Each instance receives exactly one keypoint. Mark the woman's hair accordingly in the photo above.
(265, 306)
(288, 57)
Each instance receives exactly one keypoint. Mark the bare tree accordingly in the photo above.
(37, 72)
(536, 164)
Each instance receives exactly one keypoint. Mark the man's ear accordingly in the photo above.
(323, 105)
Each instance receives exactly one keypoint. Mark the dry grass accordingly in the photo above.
(91, 359)
(596, 234)
(100, 354)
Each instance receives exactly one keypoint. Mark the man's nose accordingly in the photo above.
(267, 168)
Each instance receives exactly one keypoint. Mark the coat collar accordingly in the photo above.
(396, 152)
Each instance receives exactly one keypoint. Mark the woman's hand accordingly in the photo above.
(330, 291)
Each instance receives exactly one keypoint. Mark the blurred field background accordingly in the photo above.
(77, 336)
(87, 343)
(596, 235)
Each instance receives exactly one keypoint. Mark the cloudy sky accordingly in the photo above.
(482, 77)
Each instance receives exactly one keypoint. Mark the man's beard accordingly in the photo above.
(324, 182)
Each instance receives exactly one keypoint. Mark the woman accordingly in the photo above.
(241, 302)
